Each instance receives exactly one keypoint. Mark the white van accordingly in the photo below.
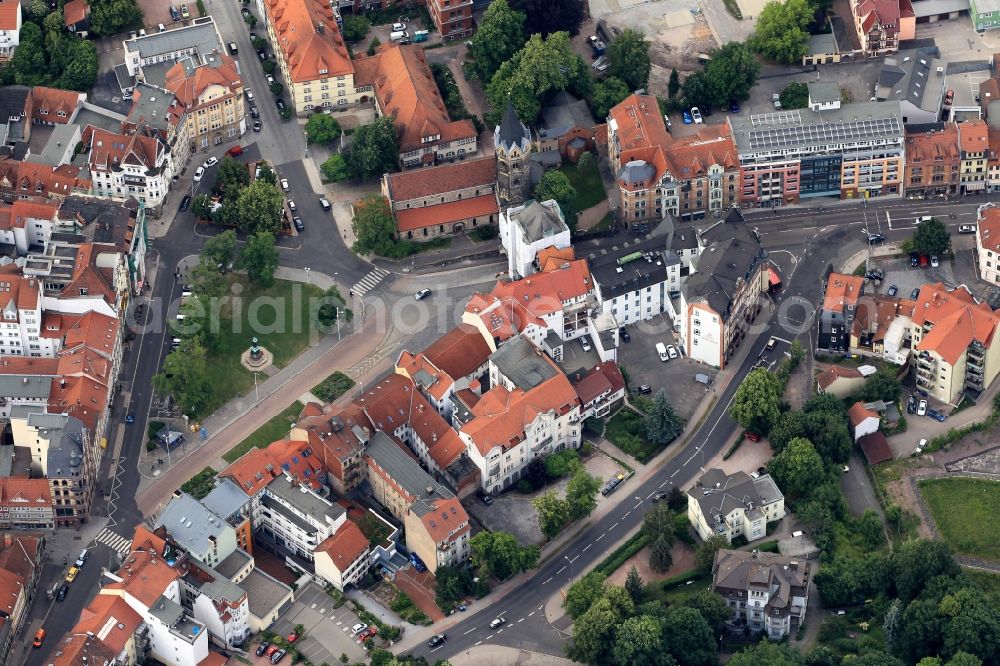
(398, 36)
(82, 558)
(661, 350)
(924, 218)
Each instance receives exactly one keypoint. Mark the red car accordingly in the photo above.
(235, 151)
(752, 436)
(270, 651)
(925, 261)
(370, 632)
(292, 637)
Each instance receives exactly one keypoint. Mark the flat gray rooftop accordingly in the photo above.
(522, 363)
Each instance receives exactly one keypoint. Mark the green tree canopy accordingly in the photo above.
(373, 226)
(499, 554)
(231, 177)
(662, 423)
(335, 168)
(595, 631)
(259, 258)
(555, 185)
(688, 637)
(581, 493)
(757, 402)
(712, 607)
(549, 16)
(185, 376)
(659, 527)
(697, 91)
(219, 251)
(674, 84)
(355, 27)
(322, 128)
(499, 36)
(883, 385)
(606, 95)
(28, 63)
(629, 58)
(80, 72)
(704, 557)
(795, 96)
(553, 513)
(635, 586)
(731, 73)
(373, 151)
(582, 594)
(637, 643)
(260, 206)
(798, 469)
(781, 33)
(110, 17)
(766, 652)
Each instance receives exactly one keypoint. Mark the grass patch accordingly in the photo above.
(289, 315)
(963, 510)
(271, 431)
(678, 589)
(587, 183)
(627, 431)
(622, 553)
(333, 387)
(733, 9)
(373, 528)
(407, 610)
(200, 484)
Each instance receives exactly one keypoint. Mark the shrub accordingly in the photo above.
(621, 554)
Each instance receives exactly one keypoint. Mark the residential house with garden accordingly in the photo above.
(734, 505)
(767, 593)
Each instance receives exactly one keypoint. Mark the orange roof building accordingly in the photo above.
(208, 99)
(838, 310)
(405, 90)
(10, 24)
(110, 620)
(76, 16)
(839, 381)
(135, 164)
(344, 557)
(25, 504)
(933, 159)
(988, 243)
(451, 364)
(258, 467)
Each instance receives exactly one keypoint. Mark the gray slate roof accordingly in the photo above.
(264, 593)
(731, 256)
(191, 523)
(203, 37)
(511, 131)
(538, 220)
(306, 502)
(732, 492)
(913, 76)
(562, 114)
(226, 498)
(403, 469)
(25, 387)
(233, 563)
(658, 246)
(637, 171)
(823, 91)
(522, 363)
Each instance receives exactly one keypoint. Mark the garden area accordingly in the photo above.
(275, 429)
(586, 180)
(200, 484)
(333, 387)
(963, 510)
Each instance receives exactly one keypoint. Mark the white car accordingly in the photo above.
(398, 27)
(210, 162)
(199, 172)
(672, 352)
(422, 294)
(270, 80)
(922, 408)
(966, 228)
(358, 628)
(586, 344)
(291, 205)
(284, 185)
(696, 115)
(497, 621)
(934, 261)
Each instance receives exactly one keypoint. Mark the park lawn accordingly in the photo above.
(627, 431)
(275, 429)
(963, 510)
(333, 387)
(587, 183)
(681, 593)
(289, 317)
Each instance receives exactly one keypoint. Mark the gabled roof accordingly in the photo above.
(933, 145)
(307, 33)
(437, 180)
(81, 649)
(826, 378)
(59, 104)
(602, 379)
(108, 150)
(406, 91)
(254, 470)
(144, 573)
(989, 228)
(188, 81)
(858, 414)
(875, 447)
(345, 546)
(841, 291)
(109, 619)
(973, 136)
(459, 352)
(23, 493)
(75, 11)
(413, 219)
(444, 518)
(10, 15)
(958, 320)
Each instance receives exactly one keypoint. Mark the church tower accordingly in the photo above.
(513, 148)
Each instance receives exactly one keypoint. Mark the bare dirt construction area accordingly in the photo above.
(678, 32)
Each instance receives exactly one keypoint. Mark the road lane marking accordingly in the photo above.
(626, 515)
(470, 631)
(586, 547)
(543, 583)
(637, 506)
(477, 643)
(531, 613)
(574, 559)
(599, 538)
(520, 621)
(561, 570)
(613, 526)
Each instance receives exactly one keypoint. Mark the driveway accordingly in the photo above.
(328, 629)
(857, 486)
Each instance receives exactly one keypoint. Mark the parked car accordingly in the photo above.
(734, 107)
(63, 590)
(71, 574)
(966, 228)
(417, 563)
(278, 656)
(324, 203)
(211, 162)
(497, 622)
(436, 640)
(911, 405)
(396, 27)
(915, 293)
(936, 415)
(235, 151)
(934, 261)
(300, 226)
(184, 12)
(292, 637)
(922, 408)
(422, 294)
(198, 173)
(254, 113)
(612, 484)
(262, 648)
(256, 126)
(291, 206)
(270, 80)
(914, 260)
(39, 638)
(623, 334)
(644, 389)
(672, 352)
(696, 115)
(893, 289)
(280, 103)
(185, 202)
(661, 495)
(284, 185)
(771, 342)
(585, 344)
(925, 261)
(174, 14)
(270, 651)
(358, 628)
(485, 498)
(686, 117)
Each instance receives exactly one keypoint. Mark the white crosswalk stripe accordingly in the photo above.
(116, 543)
(369, 282)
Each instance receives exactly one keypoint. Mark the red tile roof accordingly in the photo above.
(826, 378)
(59, 104)
(94, 331)
(81, 650)
(883, 12)
(858, 413)
(188, 89)
(459, 352)
(989, 229)
(258, 467)
(109, 150)
(75, 11)
(111, 620)
(307, 34)
(602, 379)
(875, 447)
(973, 136)
(406, 91)
(10, 15)
(412, 219)
(433, 181)
(443, 521)
(25, 493)
(345, 546)
(930, 146)
(957, 318)
(841, 291)
(144, 573)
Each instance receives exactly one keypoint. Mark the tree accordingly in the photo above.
(781, 33)
(674, 85)
(883, 385)
(917, 630)
(556, 185)
(731, 73)
(373, 46)
(552, 513)
(629, 58)
(697, 91)
(915, 563)
(606, 95)
(207, 281)
(499, 36)
(824, 402)
(37, 9)
(756, 404)
(185, 376)
(28, 62)
(498, 554)
(260, 206)
(828, 432)
(931, 237)
(594, 631)
(766, 652)
(81, 66)
(875, 659)
(658, 525)
(688, 637)
(322, 128)
(581, 494)
(712, 607)
(540, 68)
(798, 469)
(795, 96)
(787, 426)
(110, 16)
(452, 584)
(231, 178)
(373, 225)
(634, 586)
(637, 643)
(704, 557)
(373, 151)
(561, 464)
(266, 174)
(259, 258)
(332, 304)
(549, 16)
(355, 28)
(219, 251)
(335, 168)
(662, 423)
(582, 594)
(201, 207)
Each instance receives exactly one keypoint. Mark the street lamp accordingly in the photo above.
(570, 568)
(255, 391)
(339, 312)
(307, 275)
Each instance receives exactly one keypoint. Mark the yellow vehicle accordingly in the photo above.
(71, 574)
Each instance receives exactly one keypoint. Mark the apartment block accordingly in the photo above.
(403, 87)
(952, 338)
(453, 18)
(988, 243)
(918, 80)
(933, 160)
(527, 229)
(658, 175)
(344, 557)
(985, 14)
(208, 98)
(291, 520)
(205, 536)
(734, 505)
(197, 40)
(974, 144)
(21, 559)
(766, 592)
(836, 318)
(108, 628)
(123, 167)
(882, 24)
(855, 151)
(438, 531)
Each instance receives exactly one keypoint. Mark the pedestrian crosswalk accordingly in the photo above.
(369, 282)
(118, 544)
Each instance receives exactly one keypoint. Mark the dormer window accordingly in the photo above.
(324, 71)
(43, 112)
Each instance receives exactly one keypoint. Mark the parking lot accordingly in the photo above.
(676, 377)
(328, 629)
(898, 272)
